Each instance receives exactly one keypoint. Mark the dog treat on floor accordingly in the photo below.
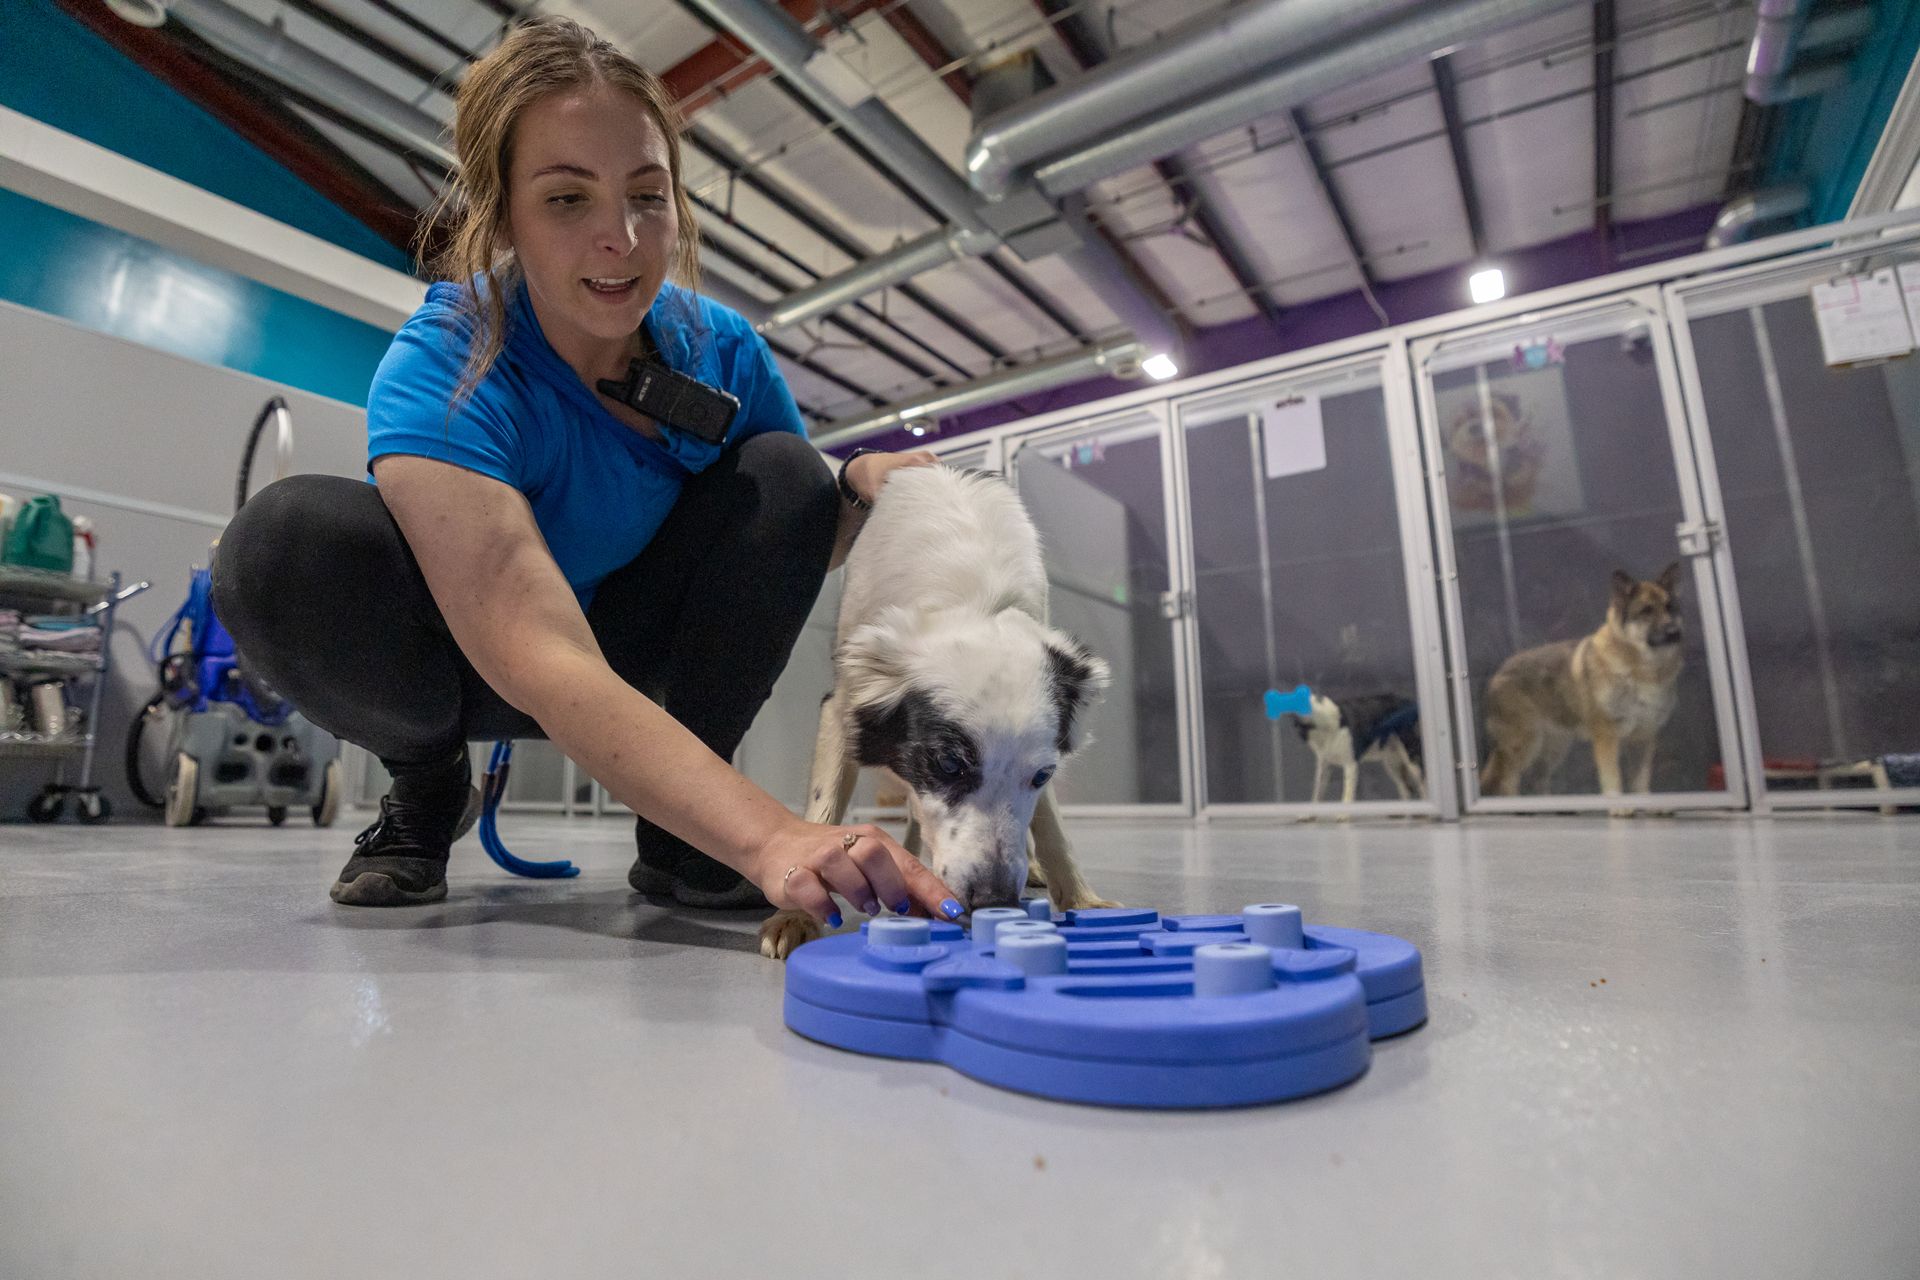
(1115, 1006)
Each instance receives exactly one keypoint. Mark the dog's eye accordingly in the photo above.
(1042, 778)
(949, 765)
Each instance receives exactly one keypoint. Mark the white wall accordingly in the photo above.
(146, 444)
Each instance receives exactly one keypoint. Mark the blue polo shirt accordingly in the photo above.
(599, 489)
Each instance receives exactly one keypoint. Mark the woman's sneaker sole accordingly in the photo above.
(373, 889)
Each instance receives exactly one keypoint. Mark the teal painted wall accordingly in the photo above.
(115, 283)
(54, 69)
(1826, 142)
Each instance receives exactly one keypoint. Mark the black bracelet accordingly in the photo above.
(846, 490)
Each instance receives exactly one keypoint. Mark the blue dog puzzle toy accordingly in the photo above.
(1299, 702)
(1115, 1006)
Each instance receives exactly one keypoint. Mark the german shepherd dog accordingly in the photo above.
(947, 675)
(1615, 688)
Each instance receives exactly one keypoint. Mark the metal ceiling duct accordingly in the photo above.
(819, 75)
(907, 260)
(1737, 221)
(271, 49)
(1197, 60)
(1781, 32)
(1119, 359)
(1417, 35)
(827, 82)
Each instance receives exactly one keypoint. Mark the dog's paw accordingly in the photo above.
(1085, 902)
(785, 931)
(1623, 813)
(1036, 878)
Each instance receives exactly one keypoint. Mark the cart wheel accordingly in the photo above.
(328, 805)
(46, 806)
(276, 814)
(92, 807)
(183, 792)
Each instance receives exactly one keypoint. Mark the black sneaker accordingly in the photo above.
(402, 858)
(670, 867)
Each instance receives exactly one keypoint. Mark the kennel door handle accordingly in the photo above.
(1175, 605)
(1698, 537)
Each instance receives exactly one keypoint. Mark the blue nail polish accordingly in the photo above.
(833, 920)
(950, 909)
(906, 905)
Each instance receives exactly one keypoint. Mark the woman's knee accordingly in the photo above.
(292, 535)
(795, 482)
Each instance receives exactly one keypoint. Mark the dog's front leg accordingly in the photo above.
(1643, 768)
(1055, 856)
(1606, 763)
(834, 773)
(1349, 786)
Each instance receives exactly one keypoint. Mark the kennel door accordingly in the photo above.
(1559, 454)
(1293, 494)
(1810, 464)
(1098, 491)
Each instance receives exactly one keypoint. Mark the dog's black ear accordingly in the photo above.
(1074, 677)
(1669, 579)
(1623, 585)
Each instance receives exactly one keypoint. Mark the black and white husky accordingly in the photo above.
(1381, 727)
(947, 674)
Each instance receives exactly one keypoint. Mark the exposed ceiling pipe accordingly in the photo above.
(905, 261)
(838, 90)
(271, 49)
(1194, 60)
(1415, 35)
(824, 79)
(1120, 359)
(1781, 32)
(1775, 23)
(1737, 221)
(1420, 34)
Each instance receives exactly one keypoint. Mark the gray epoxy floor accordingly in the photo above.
(208, 1070)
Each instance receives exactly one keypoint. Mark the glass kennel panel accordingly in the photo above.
(1098, 493)
(1579, 654)
(1299, 578)
(1814, 449)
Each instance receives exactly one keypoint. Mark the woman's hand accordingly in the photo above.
(807, 863)
(870, 470)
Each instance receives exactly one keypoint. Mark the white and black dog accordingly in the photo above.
(947, 674)
(1380, 727)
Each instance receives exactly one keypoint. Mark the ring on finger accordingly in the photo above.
(848, 840)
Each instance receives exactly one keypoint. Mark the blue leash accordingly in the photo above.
(492, 788)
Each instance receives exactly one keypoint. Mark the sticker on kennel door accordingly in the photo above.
(1292, 436)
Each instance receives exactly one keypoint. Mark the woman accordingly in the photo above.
(537, 557)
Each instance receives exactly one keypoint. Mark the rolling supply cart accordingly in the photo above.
(57, 643)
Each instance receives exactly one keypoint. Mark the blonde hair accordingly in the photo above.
(538, 58)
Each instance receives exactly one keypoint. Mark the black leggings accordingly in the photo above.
(327, 605)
